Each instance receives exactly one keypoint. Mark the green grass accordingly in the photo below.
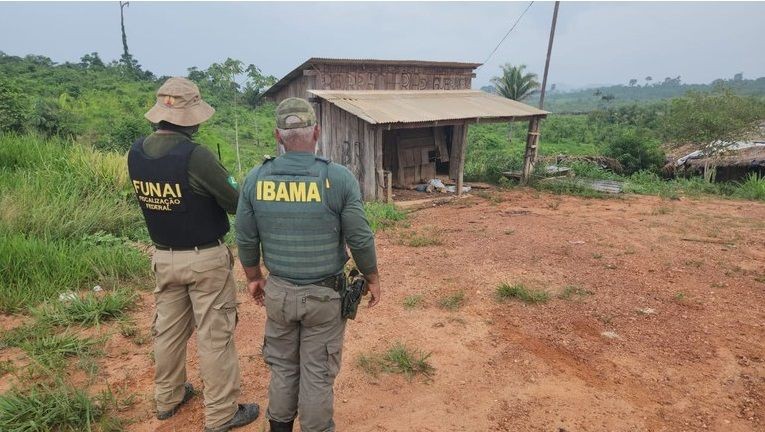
(453, 301)
(36, 269)
(427, 237)
(413, 301)
(61, 408)
(51, 351)
(398, 359)
(88, 310)
(753, 188)
(382, 215)
(520, 292)
(6, 367)
(571, 291)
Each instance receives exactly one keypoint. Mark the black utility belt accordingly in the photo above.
(335, 282)
(213, 244)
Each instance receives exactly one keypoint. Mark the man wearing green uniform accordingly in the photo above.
(302, 211)
(185, 193)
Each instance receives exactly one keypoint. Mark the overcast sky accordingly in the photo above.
(596, 43)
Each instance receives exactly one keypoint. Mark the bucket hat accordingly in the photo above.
(179, 103)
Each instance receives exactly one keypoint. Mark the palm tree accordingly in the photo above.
(514, 84)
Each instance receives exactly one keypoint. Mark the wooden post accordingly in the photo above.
(388, 187)
(531, 151)
(461, 158)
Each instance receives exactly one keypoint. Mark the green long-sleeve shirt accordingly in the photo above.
(343, 198)
(207, 177)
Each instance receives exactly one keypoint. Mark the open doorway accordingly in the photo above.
(416, 155)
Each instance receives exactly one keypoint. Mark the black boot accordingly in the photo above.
(281, 427)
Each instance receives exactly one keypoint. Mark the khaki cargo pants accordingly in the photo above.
(302, 345)
(196, 289)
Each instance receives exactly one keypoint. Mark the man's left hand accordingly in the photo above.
(257, 290)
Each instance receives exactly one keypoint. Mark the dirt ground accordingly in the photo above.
(667, 335)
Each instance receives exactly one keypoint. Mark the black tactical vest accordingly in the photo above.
(175, 215)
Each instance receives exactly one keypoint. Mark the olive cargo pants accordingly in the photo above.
(196, 289)
(303, 347)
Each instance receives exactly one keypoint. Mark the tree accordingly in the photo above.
(633, 82)
(255, 85)
(635, 150)
(514, 83)
(738, 77)
(648, 79)
(92, 61)
(13, 107)
(712, 122)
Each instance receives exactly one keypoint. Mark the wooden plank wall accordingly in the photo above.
(391, 77)
(352, 142)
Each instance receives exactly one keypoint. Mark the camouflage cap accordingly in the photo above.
(295, 113)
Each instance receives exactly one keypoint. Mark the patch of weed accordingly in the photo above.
(413, 301)
(431, 237)
(398, 359)
(453, 301)
(382, 215)
(520, 292)
(88, 310)
(573, 290)
(60, 408)
(6, 367)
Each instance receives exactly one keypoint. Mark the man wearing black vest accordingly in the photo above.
(302, 211)
(185, 193)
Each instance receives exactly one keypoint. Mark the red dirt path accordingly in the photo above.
(687, 316)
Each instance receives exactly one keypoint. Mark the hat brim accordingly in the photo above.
(187, 116)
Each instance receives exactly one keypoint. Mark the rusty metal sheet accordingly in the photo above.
(412, 106)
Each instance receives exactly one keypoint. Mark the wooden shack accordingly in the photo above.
(398, 122)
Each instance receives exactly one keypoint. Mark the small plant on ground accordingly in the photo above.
(520, 292)
(382, 215)
(680, 296)
(88, 310)
(431, 237)
(398, 359)
(453, 301)
(6, 366)
(413, 301)
(493, 197)
(61, 408)
(50, 351)
(573, 290)
(753, 188)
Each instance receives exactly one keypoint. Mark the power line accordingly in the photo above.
(508, 32)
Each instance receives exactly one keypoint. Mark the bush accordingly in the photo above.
(753, 188)
(636, 151)
(13, 107)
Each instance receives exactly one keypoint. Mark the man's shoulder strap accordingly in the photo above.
(322, 159)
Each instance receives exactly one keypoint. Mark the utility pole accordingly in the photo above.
(532, 140)
(549, 51)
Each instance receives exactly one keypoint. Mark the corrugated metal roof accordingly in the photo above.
(399, 106)
(298, 71)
